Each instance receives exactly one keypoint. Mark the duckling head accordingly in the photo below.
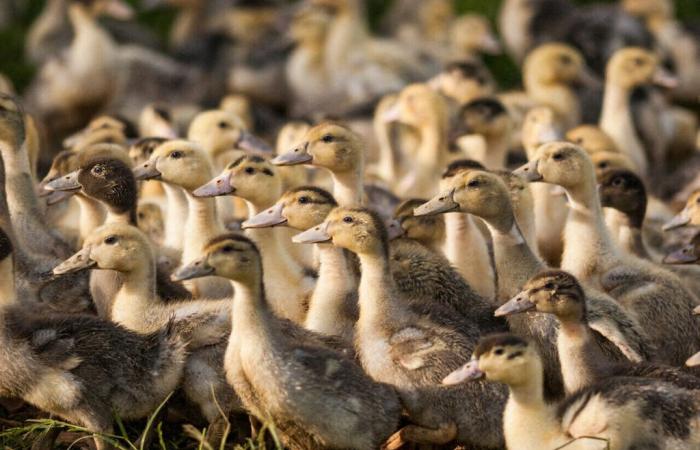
(310, 25)
(218, 131)
(102, 129)
(503, 358)
(425, 229)
(688, 254)
(554, 64)
(328, 145)
(477, 192)
(649, 8)
(633, 66)
(178, 162)
(607, 161)
(550, 292)
(12, 129)
(249, 177)
(109, 181)
(119, 247)
(418, 106)
(464, 81)
(117, 9)
(230, 256)
(63, 163)
(689, 215)
(301, 208)
(472, 33)
(625, 192)
(486, 116)
(360, 230)
(539, 127)
(561, 163)
(141, 150)
(592, 139)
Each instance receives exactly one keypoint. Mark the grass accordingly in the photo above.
(19, 434)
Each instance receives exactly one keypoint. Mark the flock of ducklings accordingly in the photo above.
(442, 264)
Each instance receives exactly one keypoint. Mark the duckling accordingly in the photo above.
(655, 297)
(586, 354)
(156, 121)
(175, 200)
(465, 245)
(202, 324)
(333, 305)
(315, 396)
(676, 39)
(24, 206)
(627, 69)
(338, 150)
(541, 126)
(149, 217)
(620, 413)
(101, 129)
(255, 180)
(591, 138)
(425, 111)
(427, 230)
(549, 73)
(487, 117)
(185, 164)
(464, 81)
(80, 368)
(470, 35)
(409, 350)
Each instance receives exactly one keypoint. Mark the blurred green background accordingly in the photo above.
(12, 37)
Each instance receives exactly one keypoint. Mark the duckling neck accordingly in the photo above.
(497, 150)
(328, 302)
(581, 358)
(465, 247)
(348, 188)
(92, 47)
(560, 98)
(377, 294)
(588, 247)
(201, 226)
(115, 216)
(529, 394)
(617, 121)
(515, 261)
(177, 211)
(433, 144)
(8, 294)
(135, 296)
(250, 315)
(626, 233)
(92, 215)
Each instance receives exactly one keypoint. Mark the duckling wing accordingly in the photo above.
(610, 331)
(418, 348)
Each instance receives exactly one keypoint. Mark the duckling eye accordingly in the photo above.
(603, 165)
(249, 170)
(549, 286)
(617, 182)
(304, 200)
(499, 351)
(347, 219)
(558, 157)
(698, 200)
(140, 215)
(224, 125)
(97, 170)
(327, 138)
(176, 154)
(566, 59)
(473, 184)
(638, 61)
(111, 240)
(228, 249)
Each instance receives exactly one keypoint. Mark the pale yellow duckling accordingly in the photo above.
(156, 121)
(592, 138)
(186, 165)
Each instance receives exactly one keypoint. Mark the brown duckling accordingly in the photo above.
(488, 118)
(317, 397)
(464, 81)
(411, 351)
(427, 230)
